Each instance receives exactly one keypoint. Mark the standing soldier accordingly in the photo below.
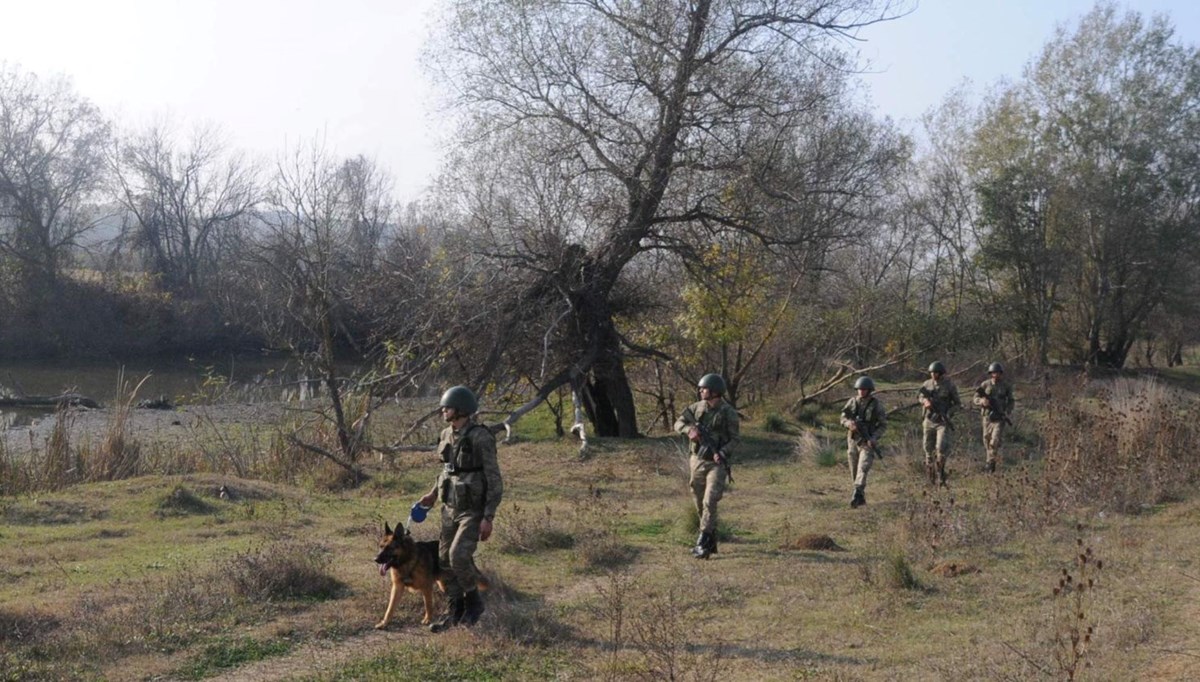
(865, 421)
(711, 426)
(995, 401)
(470, 488)
(940, 399)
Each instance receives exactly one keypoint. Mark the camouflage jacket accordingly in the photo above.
(721, 421)
(867, 411)
(470, 479)
(944, 396)
(999, 395)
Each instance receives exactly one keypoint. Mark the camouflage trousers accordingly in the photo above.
(860, 458)
(938, 439)
(456, 549)
(708, 485)
(993, 437)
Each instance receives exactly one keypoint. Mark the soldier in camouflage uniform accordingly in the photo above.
(865, 421)
(939, 398)
(710, 456)
(995, 401)
(470, 488)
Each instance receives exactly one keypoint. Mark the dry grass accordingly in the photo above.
(592, 577)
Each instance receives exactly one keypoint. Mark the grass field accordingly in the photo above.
(159, 577)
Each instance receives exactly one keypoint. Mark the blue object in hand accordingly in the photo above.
(418, 512)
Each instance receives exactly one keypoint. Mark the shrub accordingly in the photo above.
(528, 532)
(898, 573)
(774, 423)
(182, 502)
(284, 570)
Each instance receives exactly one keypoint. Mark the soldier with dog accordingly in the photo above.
(470, 488)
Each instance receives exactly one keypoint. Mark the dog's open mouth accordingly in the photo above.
(383, 567)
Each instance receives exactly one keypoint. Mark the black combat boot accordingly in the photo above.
(712, 542)
(859, 499)
(454, 614)
(703, 546)
(941, 471)
(473, 608)
(991, 467)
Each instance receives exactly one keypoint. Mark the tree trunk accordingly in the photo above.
(608, 395)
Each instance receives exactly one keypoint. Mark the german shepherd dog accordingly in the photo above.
(412, 565)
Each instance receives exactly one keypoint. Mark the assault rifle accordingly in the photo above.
(941, 414)
(861, 431)
(710, 446)
(993, 411)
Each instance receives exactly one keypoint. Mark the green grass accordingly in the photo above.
(227, 653)
(427, 664)
(117, 590)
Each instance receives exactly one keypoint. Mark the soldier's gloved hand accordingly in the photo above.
(485, 530)
(694, 434)
(719, 458)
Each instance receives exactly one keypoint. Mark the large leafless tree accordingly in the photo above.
(52, 168)
(189, 202)
(632, 126)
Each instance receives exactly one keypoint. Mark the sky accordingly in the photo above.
(273, 74)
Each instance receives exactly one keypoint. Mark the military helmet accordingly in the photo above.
(865, 382)
(995, 367)
(712, 382)
(462, 399)
(937, 366)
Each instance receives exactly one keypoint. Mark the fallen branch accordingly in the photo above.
(72, 399)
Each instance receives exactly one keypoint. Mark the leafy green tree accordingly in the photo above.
(1089, 173)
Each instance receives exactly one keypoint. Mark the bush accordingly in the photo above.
(774, 423)
(284, 570)
(898, 573)
(528, 532)
(818, 449)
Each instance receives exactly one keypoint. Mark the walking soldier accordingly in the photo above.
(711, 426)
(995, 401)
(865, 421)
(470, 488)
(939, 398)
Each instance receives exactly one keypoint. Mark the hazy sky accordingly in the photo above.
(274, 72)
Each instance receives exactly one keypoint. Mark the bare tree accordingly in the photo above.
(51, 170)
(302, 281)
(650, 115)
(189, 202)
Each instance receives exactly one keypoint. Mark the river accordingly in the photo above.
(178, 380)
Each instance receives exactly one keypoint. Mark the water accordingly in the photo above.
(244, 379)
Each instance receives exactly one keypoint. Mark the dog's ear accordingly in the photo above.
(400, 529)
(387, 530)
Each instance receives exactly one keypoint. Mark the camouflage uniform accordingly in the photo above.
(868, 412)
(708, 478)
(470, 488)
(937, 427)
(994, 415)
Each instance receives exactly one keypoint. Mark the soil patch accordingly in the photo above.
(953, 569)
(812, 541)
